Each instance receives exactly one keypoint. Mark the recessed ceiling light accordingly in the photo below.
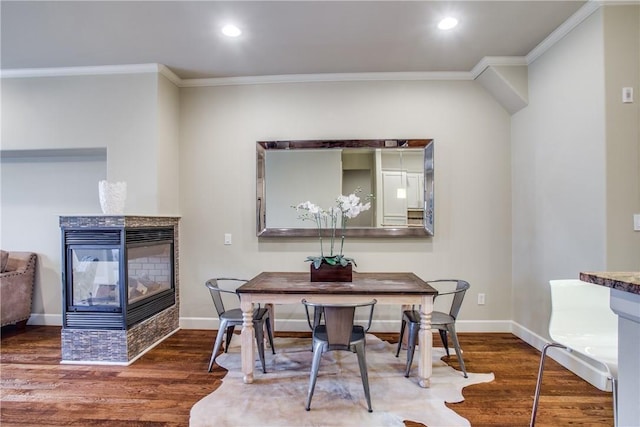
(447, 23)
(231, 31)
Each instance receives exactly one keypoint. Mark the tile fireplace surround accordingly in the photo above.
(120, 346)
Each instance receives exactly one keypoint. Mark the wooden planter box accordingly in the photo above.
(331, 273)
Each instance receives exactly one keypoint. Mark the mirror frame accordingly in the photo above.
(428, 213)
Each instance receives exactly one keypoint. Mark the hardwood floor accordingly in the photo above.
(160, 388)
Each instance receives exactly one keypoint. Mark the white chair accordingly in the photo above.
(582, 322)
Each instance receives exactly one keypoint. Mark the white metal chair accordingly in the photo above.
(338, 332)
(582, 322)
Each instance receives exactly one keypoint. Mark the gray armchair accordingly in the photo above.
(17, 280)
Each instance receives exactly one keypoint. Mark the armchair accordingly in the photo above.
(17, 280)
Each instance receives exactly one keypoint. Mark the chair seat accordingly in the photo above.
(600, 348)
(357, 333)
(437, 317)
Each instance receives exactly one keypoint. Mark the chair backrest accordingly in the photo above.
(580, 308)
(215, 291)
(339, 322)
(457, 294)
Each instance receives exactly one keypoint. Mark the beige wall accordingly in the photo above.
(168, 180)
(219, 127)
(559, 174)
(113, 111)
(120, 114)
(575, 163)
(622, 69)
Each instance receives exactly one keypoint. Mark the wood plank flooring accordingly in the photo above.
(160, 388)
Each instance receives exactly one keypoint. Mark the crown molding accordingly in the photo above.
(82, 71)
(170, 75)
(493, 61)
(574, 20)
(329, 77)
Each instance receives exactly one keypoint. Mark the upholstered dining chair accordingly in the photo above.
(582, 322)
(444, 322)
(338, 332)
(230, 318)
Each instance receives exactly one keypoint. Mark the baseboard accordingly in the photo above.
(300, 325)
(45, 319)
(573, 362)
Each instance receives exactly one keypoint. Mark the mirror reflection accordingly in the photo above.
(396, 174)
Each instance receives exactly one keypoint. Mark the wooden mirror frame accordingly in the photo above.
(428, 213)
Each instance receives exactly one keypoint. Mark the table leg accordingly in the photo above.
(426, 342)
(247, 344)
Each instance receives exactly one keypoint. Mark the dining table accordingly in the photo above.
(272, 288)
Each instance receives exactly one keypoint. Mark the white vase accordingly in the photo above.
(112, 197)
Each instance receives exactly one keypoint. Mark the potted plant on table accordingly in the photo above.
(334, 267)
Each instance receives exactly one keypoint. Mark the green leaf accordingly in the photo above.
(330, 260)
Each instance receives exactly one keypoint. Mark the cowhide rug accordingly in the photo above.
(277, 398)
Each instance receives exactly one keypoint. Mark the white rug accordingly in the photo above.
(277, 398)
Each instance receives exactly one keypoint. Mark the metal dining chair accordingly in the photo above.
(338, 332)
(444, 322)
(582, 322)
(230, 318)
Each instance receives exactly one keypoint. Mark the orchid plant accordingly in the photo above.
(347, 207)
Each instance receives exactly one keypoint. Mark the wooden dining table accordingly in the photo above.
(402, 289)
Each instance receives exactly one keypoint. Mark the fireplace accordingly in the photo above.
(120, 285)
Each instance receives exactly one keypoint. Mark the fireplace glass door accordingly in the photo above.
(95, 278)
(150, 270)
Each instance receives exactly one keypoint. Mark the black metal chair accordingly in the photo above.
(338, 332)
(444, 322)
(229, 319)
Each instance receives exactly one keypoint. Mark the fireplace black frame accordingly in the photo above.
(122, 238)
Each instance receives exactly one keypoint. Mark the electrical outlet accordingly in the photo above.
(480, 299)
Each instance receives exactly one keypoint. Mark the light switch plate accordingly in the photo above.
(636, 222)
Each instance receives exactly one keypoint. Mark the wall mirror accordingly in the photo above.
(397, 173)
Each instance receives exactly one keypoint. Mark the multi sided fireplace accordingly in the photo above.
(119, 284)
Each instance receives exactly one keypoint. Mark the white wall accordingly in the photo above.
(219, 128)
(558, 173)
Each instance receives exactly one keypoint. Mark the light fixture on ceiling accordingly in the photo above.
(231, 31)
(447, 23)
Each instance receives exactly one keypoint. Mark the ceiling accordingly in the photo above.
(290, 37)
